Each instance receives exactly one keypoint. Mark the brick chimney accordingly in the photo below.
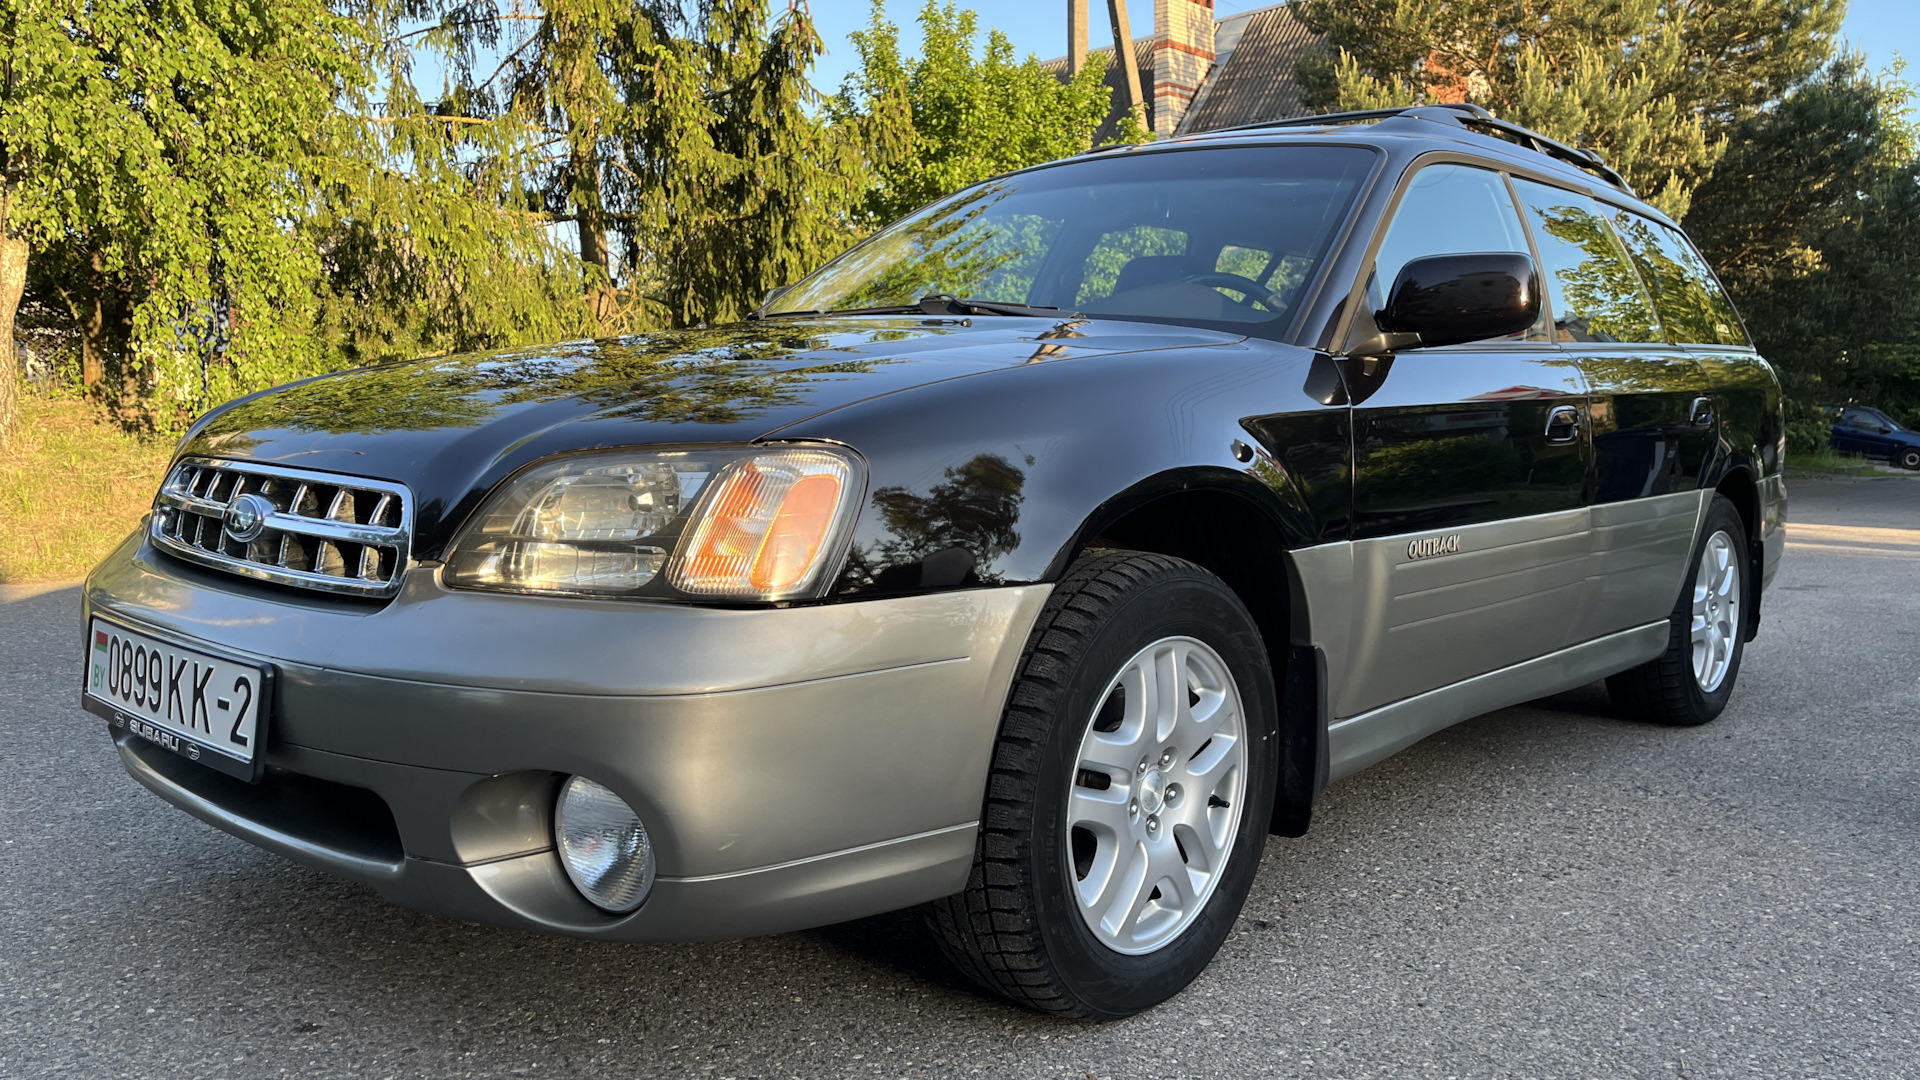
(1182, 55)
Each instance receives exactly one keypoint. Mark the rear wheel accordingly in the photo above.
(1127, 804)
(1690, 682)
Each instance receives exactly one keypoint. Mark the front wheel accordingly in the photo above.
(1690, 682)
(1128, 799)
(1908, 458)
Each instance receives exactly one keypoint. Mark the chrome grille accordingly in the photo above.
(317, 530)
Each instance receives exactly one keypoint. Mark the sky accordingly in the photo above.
(1879, 28)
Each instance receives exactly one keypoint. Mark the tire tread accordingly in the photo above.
(988, 930)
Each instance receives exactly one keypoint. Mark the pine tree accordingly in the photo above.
(677, 141)
(1812, 219)
(1653, 85)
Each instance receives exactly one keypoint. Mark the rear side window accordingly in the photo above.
(1596, 293)
(1692, 305)
(1448, 210)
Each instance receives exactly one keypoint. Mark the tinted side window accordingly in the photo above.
(1595, 291)
(1692, 306)
(1448, 210)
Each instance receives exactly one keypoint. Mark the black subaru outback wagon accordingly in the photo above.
(1032, 561)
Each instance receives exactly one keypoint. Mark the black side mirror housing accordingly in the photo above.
(1452, 299)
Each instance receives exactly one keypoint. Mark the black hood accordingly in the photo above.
(452, 427)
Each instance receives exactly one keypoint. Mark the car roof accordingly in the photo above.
(1405, 134)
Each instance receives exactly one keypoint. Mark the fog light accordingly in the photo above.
(603, 845)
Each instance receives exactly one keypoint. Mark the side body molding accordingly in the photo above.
(1358, 742)
(1413, 645)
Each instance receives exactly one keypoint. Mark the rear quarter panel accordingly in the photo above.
(1752, 438)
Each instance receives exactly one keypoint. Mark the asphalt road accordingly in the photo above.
(1546, 891)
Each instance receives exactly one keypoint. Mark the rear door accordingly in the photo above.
(1651, 406)
(1470, 526)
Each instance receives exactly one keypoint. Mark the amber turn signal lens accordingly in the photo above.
(799, 529)
(765, 529)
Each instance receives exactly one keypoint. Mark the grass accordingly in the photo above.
(72, 486)
(1825, 462)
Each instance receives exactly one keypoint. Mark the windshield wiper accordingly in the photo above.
(948, 304)
(892, 309)
(943, 304)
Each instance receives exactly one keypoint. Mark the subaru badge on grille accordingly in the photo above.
(247, 517)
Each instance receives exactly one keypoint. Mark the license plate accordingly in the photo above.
(207, 708)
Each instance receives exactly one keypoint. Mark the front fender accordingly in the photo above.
(999, 478)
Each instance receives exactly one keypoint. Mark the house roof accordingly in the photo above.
(1253, 71)
(1251, 80)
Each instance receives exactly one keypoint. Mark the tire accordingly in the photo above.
(1908, 458)
(1051, 834)
(1686, 686)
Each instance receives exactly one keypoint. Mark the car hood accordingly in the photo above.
(451, 427)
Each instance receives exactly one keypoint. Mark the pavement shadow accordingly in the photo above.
(898, 941)
(1589, 700)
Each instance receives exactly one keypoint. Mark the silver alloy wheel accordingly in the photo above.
(1716, 611)
(1155, 802)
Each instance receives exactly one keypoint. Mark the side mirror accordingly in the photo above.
(1450, 299)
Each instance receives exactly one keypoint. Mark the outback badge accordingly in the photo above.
(1433, 545)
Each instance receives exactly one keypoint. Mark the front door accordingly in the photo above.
(1469, 527)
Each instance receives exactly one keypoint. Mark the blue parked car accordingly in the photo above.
(1872, 433)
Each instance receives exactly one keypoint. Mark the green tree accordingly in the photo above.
(534, 92)
(1812, 220)
(677, 141)
(962, 112)
(741, 183)
(153, 151)
(212, 196)
(1654, 85)
(431, 236)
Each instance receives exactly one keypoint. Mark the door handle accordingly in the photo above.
(1563, 424)
(1702, 412)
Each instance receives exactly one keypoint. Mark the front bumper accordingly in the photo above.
(794, 766)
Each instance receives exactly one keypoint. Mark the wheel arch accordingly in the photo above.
(1236, 529)
(1737, 483)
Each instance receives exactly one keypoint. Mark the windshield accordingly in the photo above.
(1221, 235)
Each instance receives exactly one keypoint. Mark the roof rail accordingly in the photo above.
(1462, 115)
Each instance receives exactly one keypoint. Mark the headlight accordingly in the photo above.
(731, 524)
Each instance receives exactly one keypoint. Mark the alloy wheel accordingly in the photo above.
(1716, 611)
(1156, 797)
